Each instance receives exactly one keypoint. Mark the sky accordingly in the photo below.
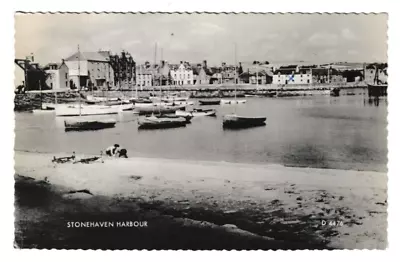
(314, 38)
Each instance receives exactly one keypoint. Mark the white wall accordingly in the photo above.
(297, 79)
(58, 78)
(73, 68)
(181, 76)
(144, 79)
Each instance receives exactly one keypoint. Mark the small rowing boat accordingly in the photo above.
(237, 122)
(197, 112)
(232, 102)
(79, 124)
(154, 122)
(209, 102)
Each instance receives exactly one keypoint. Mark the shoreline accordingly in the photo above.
(300, 197)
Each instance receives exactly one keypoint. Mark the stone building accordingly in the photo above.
(57, 76)
(94, 69)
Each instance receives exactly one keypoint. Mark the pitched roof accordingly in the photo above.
(88, 56)
(47, 67)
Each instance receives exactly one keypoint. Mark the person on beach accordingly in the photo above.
(123, 153)
(112, 150)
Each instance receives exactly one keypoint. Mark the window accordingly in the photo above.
(66, 83)
(66, 75)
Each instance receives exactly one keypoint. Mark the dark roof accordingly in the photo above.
(88, 56)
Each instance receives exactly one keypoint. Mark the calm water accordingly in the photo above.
(343, 132)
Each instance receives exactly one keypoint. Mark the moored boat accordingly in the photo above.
(209, 102)
(76, 110)
(154, 122)
(90, 99)
(197, 112)
(235, 122)
(232, 102)
(80, 124)
(157, 109)
(174, 116)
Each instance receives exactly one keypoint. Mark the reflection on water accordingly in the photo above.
(345, 132)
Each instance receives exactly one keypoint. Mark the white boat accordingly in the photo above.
(149, 105)
(232, 102)
(182, 103)
(76, 110)
(197, 112)
(94, 99)
(175, 98)
(169, 98)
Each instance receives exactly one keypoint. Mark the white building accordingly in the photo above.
(183, 75)
(144, 77)
(57, 76)
(94, 68)
(288, 76)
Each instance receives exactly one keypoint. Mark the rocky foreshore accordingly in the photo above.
(30, 101)
(243, 206)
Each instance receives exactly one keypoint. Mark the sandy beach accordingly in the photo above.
(273, 202)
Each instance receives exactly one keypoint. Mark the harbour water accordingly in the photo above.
(345, 132)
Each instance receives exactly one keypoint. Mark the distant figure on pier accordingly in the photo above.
(112, 150)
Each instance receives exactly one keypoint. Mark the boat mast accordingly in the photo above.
(235, 73)
(235, 81)
(41, 98)
(79, 80)
(257, 77)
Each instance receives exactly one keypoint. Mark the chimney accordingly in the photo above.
(162, 63)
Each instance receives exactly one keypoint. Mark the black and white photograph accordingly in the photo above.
(201, 131)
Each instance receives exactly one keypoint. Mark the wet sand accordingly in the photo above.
(276, 207)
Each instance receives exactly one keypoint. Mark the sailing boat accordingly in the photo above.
(161, 120)
(82, 123)
(234, 121)
(235, 101)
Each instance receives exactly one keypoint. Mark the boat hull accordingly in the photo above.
(73, 110)
(209, 102)
(85, 124)
(237, 122)
(161, 123)
(232, 102)
(158, 110)
(196, 113)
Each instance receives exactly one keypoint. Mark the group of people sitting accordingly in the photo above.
(116, 151)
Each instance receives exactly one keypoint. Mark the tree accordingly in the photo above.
(266, 63)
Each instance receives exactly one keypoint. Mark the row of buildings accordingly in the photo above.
(102, 69)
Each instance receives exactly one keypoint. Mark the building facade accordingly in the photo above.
(144, 77)
(58, 77)
(123, 67)
(182, 75)
(90, 69)
(202, 75)
(290, 76)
